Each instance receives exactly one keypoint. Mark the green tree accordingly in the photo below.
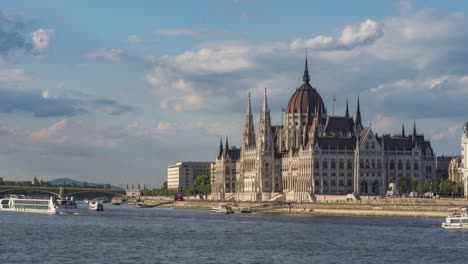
(427, 186)
(164, 185)
(436, 187)
(201, 185)
(403, 185)
(413, 184)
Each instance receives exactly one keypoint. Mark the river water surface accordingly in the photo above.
(123, 234)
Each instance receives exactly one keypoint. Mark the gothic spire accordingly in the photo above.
(264, 134)
(403, 130)
(358, 121)
(220, 147)
(249, 108)
(347, 110)
(227, 144)
(265, 102)
(306, 77)
(249, 133)
(414, 129)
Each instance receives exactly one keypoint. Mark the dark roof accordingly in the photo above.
(336, 143)
(407, 143)
(234, 153)
(339, 124)
(304, 99)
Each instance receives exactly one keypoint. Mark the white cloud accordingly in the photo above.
(134, 40)
(14, 75)
(41, 39)
(51, 134)
(188, 32)
(367, 31)
(351, 36)
(116, 55)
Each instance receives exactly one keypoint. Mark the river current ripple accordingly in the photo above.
(123, 234)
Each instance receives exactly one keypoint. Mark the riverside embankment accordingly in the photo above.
(410, 207)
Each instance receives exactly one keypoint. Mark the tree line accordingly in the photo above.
(201, 187)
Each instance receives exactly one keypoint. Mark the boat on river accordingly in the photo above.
(457, 219)
(95, 205)
(143, 205)
(222, 209)
(52, 205)
(65, 205)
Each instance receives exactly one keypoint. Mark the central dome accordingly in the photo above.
(305, 98)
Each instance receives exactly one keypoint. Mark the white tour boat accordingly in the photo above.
(222, 209)
(457, 219)
(28, 205)
(65, 205)
(96, 205)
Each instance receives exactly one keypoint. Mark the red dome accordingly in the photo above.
(305, 98)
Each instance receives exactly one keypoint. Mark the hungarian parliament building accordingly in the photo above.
(313, 153)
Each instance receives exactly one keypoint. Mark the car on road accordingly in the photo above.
(178, 197)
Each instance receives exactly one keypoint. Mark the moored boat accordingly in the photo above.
(143, 205)
(116, 200)
(457, 219)
(222, 209)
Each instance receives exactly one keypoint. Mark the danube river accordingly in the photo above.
(123, 234)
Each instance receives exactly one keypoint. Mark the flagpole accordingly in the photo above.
(334, 99)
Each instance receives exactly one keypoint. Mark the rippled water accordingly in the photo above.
(124, 234)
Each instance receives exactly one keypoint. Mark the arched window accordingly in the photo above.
(361, 164)
(317, 164)
(333, 164)
(367, 164)
(400, 165)
(379, 166)
(392, 165)
(350, 164)
(408, 165)
(341, 165)
(416, 165)
(325, 164)
(367, 145)
(372, 145)
(373, 164)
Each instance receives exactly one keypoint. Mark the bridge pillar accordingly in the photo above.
(61, 191)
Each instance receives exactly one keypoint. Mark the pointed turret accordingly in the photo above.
(306, 77)
(403, 130)
(249, 132)
(347, 109)
(414, 133)
(358, 121)
(220, 147)
(264, 134)
(227, 144)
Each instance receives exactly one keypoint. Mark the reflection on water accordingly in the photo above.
(123, 234)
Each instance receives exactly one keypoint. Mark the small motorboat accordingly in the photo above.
(96, 205)
(457, 219)
(222, 209)
(143, 205)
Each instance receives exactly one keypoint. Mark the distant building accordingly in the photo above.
(464, 157)
(455, 170)
(183, 174)
(442, 167)
(315, 153)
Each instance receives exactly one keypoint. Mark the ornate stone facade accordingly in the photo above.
(464, 158)
(315, 153)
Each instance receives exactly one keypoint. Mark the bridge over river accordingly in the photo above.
(60, 190)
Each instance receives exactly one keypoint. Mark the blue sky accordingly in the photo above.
(114, 91)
